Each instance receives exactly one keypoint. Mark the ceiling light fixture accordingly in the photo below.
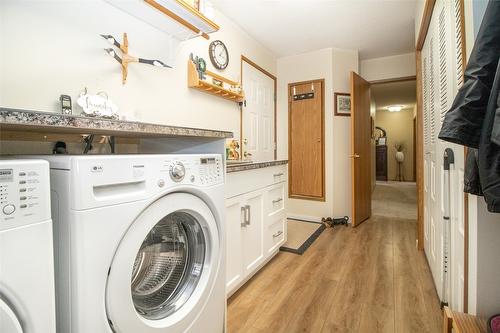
(395, 108)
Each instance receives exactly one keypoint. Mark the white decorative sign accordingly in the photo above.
(98, 105)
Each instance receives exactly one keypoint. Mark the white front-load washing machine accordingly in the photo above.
(27, 303)
(140, 243)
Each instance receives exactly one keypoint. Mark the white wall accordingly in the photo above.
(334, 66)
(53, 47)
(344, 61)
(392, 67)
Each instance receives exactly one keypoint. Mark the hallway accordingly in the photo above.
(368, 279)
(395, 199)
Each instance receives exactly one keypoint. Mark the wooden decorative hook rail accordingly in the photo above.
(126, 58)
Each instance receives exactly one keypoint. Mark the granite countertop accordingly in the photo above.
(27, 120)
(255, 165)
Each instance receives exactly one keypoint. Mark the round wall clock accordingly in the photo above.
(218, 54)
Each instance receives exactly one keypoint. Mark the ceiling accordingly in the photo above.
(374, 27)
(395, 93)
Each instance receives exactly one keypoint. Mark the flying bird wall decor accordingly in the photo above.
(126, 58)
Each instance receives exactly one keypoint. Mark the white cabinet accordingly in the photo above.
(253, 243)
(255, 222)
(234, 249)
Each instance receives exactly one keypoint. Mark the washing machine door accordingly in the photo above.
(164, 268)
(9, 323)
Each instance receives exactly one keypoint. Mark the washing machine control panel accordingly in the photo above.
(211, 170)
(201, 170)
(24, 192)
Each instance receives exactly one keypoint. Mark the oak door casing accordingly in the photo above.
(306, 141)
(361, 151)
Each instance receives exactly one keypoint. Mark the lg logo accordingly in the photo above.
(97, 168)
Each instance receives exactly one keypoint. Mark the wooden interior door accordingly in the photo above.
(306, 140)
(361, 152)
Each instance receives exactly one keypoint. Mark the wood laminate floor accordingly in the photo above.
(365, 279)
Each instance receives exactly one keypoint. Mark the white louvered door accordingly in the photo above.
(442, 66)
(457, 269)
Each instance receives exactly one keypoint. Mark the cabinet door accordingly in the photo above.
(234, 249)
(253, 240)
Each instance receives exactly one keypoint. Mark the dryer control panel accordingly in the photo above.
(24, 192)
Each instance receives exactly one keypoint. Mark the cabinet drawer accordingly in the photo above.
(247, 181)
(276, 234)
(275, 199)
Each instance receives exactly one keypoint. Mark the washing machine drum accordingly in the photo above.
(9, 323)
(164, 267)
(168, 265)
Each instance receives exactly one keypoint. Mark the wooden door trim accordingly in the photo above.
(424, 28)
(265, 72)
(420, 154)
(296, 196)
(393, 80)
(425, 23)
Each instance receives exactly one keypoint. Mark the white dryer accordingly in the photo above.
(140, 243)
(27, 302)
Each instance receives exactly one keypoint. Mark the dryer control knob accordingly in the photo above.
(177, 171)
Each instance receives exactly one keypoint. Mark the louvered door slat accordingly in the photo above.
(459, 43)
(432, 88)
(443, 79)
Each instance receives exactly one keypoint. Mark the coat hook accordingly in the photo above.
(294, 91)
(312, 86)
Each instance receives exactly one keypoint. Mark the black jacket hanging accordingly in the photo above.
(474, 117)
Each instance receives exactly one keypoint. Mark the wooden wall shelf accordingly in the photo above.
(210, 88)
(174, 17)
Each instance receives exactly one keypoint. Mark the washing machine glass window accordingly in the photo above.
(168, 266)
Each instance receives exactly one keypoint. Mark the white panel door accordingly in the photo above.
(432, 216)
(441, 63)
(258, 114)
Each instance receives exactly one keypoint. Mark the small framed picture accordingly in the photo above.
(342, 104)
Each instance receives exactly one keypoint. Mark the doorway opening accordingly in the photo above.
(393, 111)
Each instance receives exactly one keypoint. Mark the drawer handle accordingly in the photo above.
(249, 219)
(278, 174)
(279, 233)
(277, 200)
(244, 213)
